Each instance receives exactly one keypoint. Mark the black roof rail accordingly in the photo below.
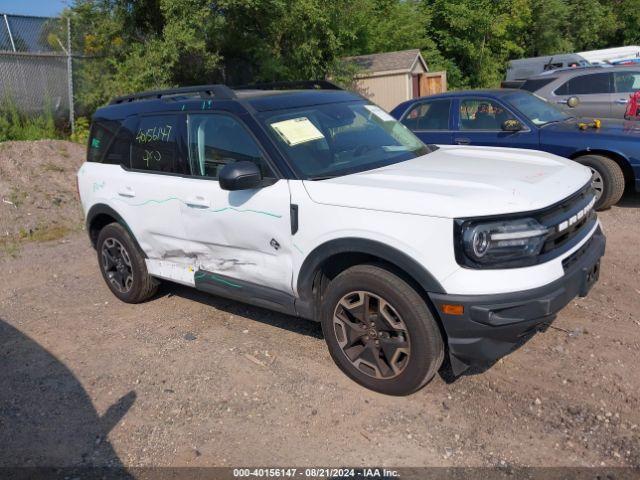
(219, 91)
(291, 85)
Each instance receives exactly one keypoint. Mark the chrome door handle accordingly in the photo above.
(622, 101)
(462, 141)
(127, 192)
(198, 202)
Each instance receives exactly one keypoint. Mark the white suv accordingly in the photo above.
(317, 203)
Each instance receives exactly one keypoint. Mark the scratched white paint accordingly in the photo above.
(193, 222)
(186, 224)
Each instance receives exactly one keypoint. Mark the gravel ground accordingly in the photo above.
(188, 379)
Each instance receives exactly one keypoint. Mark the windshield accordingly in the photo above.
(329, 140)
(536, 109)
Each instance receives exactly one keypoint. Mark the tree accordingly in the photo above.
(136, 45)
(627, 31)
(591, 24)
(477, 37)
(132, 45)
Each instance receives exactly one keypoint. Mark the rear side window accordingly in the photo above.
(627, 82)
(100, 137)
(536, 84)
(586, 85)
(119, 153)
(155, 147)
(432, 115)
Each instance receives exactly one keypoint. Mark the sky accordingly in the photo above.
(40, 8)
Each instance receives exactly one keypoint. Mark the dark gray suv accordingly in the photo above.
(601, 92)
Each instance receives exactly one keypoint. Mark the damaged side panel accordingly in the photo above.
(245, 235)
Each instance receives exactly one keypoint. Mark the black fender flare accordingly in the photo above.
(103, 209)
(363, 246)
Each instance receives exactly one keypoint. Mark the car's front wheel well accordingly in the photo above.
(332, 266)
(622, 162)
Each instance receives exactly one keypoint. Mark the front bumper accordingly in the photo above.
(493, 325)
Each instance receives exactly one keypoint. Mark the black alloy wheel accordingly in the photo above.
(123, 265)
(380, 330)
(116, 264)
(371, 334)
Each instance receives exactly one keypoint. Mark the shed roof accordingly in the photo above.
(402, 61)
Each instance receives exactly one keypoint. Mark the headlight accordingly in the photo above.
(499, 243)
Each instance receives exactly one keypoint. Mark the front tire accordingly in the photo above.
(122, 265)
(380, 331)
(607, 179)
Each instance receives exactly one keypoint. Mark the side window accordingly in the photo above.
(216, 140)
(432, 115)
(482, 114)
(119, 152)
(552, 66)
(102, 132)
(627, 82)
(154, 145)
(586, 85)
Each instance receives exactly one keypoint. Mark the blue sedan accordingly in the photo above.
(519, 119)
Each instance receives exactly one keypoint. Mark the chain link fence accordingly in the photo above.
(35, 64)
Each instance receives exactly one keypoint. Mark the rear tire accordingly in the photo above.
(608, 179)
(380, 332)
(123, 266)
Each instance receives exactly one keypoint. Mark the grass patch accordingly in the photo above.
(11, 245)
(17, 197)
(18, 125)
(46, 234)
(52, 167)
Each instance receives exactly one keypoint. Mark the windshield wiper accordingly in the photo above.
(323, 177)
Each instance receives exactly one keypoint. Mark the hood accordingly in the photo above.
(457, 181)
(608, 128)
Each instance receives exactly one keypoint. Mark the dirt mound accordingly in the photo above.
(38, 199)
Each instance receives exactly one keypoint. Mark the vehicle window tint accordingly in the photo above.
(482, 114)
(102, 132)
(335, 139)
(534, 85)
(154, 146)
(627, 82)
(216, 140)
(552, 66)
(586, 85)
(119, 152)
(432, 115)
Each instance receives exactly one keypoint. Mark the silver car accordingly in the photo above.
(600, 92)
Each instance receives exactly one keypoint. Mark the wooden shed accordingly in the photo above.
(393, 77)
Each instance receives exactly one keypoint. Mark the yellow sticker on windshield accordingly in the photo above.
(297, 131)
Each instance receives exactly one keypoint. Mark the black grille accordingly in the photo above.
(564, 211)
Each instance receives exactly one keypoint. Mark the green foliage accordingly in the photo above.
(16, 125)
(133, 45)
(592, 24)
(627, 31)
(477, 37)
(81, 133)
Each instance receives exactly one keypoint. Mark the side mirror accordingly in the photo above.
(243, 175)
(573, 102)
(512, 126)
